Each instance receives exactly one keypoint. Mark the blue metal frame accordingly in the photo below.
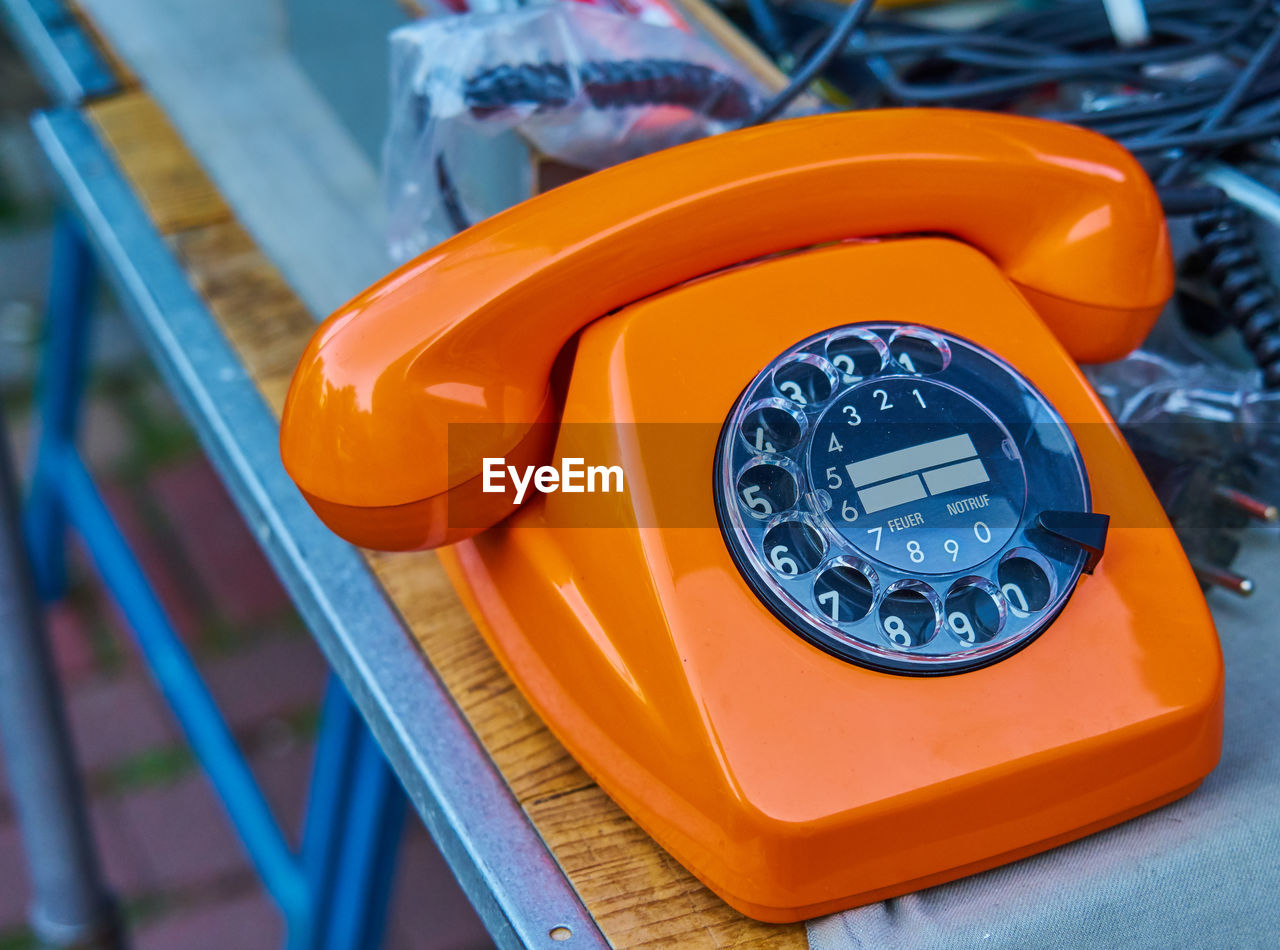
(382, 679)
(333, 894)
(505, 869)
(58, 49)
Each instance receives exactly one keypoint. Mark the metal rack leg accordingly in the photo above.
(354, 821)
(71, 906)
(63, 495)
(334, 894)
(62, 374)
(391, 807)
(356, 914)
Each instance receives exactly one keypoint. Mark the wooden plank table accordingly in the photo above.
(638, 895)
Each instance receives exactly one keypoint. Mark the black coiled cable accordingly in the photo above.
(614, 84)
(1232, 264)
(609, 84)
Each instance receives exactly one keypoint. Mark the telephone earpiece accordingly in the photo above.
(446, 361)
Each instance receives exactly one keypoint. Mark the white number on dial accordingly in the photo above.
(751, 495)
(1013, 593)
(792, 391)
(831, 600)
(848, 512)
(962, 627)
(897, 631)
(785, 565)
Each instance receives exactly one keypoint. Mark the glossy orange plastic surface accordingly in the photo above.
(791, 782)
(465, 336)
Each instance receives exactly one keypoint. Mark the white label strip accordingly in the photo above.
(900, 462)
(960, 475)
(897, 492)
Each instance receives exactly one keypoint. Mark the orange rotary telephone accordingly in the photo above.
(837, 622)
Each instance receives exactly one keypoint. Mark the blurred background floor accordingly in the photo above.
(168, 850)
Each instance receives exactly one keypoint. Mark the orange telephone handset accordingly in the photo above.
(467, 333)
(843, 627)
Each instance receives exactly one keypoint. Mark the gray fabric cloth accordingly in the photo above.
(1203, 872)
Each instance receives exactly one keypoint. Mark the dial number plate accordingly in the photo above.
(932, 480)
(878, 486)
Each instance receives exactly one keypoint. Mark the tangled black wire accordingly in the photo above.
(1206, 83)
(1148, 98)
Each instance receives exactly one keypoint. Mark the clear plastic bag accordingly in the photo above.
(1196, 410)
(578, 83)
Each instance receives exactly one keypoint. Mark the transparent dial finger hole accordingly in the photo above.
(793, 546)
(975, 611)
(767, 488)
(910, 615)
(772, 426)
(856, 354)
(844, 591)
(1024, 578)
(806, 380)
(920, 351)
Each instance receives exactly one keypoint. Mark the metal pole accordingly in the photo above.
(62, 374)
(70, 904)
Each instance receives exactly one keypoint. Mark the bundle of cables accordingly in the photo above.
(1205, 85)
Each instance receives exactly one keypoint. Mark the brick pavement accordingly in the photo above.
(165, 843)
(166, 846)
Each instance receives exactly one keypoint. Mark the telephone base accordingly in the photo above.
(792, 781)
